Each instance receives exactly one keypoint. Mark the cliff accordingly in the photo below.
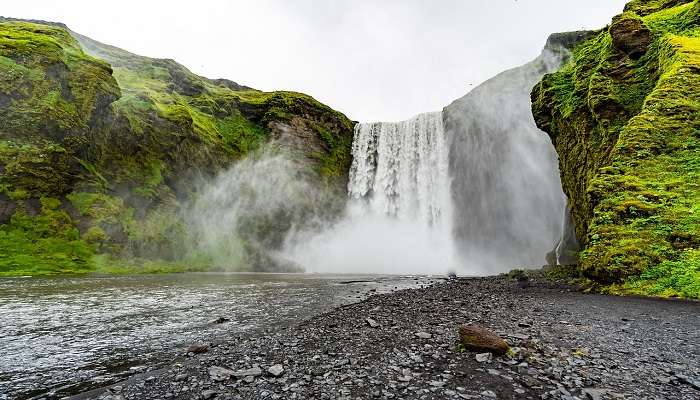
(624, 116)
(99, 148)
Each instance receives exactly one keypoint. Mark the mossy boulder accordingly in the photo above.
(118, 140)
(624, 116)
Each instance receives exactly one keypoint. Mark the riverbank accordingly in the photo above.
(67, 335)
(564, 345)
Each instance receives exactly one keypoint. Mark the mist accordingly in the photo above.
(371, 243)
(398, 216)
(473, 189)
(241, 219)
(509, 204)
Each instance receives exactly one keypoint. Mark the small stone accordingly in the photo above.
(276, 370)
(219, 373)
(594, 394)
(198, 348)
(219, 321)
(424, 335)
(180, 377)
(489, 393)
(484, 357)
(342, 363)
(209, 394)
(372, 323)
(245, 373)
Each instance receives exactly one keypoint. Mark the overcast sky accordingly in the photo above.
(374, 60)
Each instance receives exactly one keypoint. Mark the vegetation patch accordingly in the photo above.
(120, 141)
(624, 115)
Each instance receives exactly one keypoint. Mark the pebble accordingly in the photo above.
(276, 370)
(342, 355)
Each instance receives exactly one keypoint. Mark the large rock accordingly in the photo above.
(478, 338)
(627, 135)
(630, 35)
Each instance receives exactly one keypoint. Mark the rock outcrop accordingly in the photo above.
(624, 116)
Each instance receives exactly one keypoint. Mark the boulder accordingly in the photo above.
(478, 338)
(630, 36)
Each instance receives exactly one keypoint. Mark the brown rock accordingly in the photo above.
(478, 338)
(630, 36)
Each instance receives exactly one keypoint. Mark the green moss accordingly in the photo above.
(679, 278)
(45, 244)
(105, 264)
(49, 83)
(626, 132)
(116, 139)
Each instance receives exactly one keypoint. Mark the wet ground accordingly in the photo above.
(564, 345)
(62, 336)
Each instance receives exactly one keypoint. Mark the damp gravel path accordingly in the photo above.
(566, 345)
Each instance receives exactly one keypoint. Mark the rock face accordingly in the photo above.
(624, 116)
(630, 35)
(99, 148)
(478, 338)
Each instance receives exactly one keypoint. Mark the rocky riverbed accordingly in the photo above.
(404, 345)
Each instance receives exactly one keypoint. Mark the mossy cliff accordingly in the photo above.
(624, 116)
(99, 148)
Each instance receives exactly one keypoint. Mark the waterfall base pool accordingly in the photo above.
(64, 335)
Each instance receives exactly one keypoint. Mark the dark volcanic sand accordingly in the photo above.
(567, 345)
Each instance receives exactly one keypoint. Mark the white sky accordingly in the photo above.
(371, 59)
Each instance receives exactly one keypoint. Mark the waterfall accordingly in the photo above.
(509, 204)
(474, 189)
(398, 217)
(400, 169)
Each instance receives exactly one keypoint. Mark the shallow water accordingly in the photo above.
(61, 336)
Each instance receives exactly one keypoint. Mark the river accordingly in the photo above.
(61, 336)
